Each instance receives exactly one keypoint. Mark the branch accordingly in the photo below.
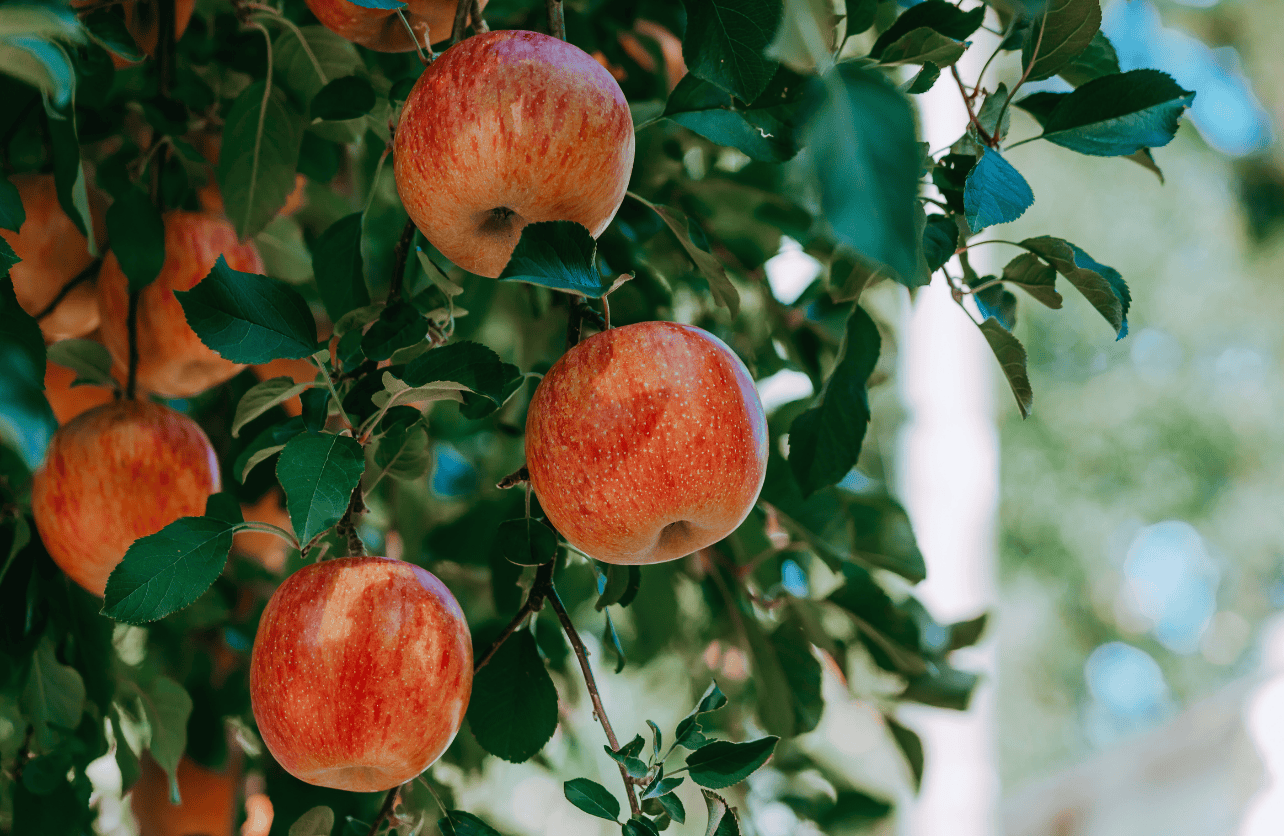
(131, 324)
(534, 603)
(971, 115)
(389, 801)
(79, 279)
(520, 476)
(347, 525)
(581, 653)
(557, 28)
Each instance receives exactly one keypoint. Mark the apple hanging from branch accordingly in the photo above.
(646, 442)
(382, 29)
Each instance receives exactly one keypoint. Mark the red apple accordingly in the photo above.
(116, 473)
(209, 800)
(646, 443)
(381, 29)
(69, 401)
(361, 672)
(172, 360)
(505, 129)
(53, 252)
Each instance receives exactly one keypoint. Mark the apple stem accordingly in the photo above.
(557, 28)
(479, 23)
(131, 323)
(414, 39)
(347, 525)
(389, 802)
(463, 10)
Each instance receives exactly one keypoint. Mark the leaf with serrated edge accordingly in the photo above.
(722, 818)
(263, 396)
(994, 192)
(318, 472)
(726, 42)
(1064, 30)
(513, 710)
(166, 571)
(1028, 272)
(459, 823)
(721, 764)
(1118, 115)
(1104, 288)
(248, 318)
(1012, 359)
(261, 140)
(592, 798)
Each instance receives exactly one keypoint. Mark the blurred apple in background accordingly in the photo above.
(269, 550)
(505, 129)
(53, 252)
(116, 473)
(208, 805)
(173, 361)
(646, 443)
(69, 401)
(381, 29)
(300, 371)
(675, 67)
(361, 672)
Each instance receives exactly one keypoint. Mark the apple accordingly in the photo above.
(361, 672)
(381, 29)
(69, 401)
(208, 796)
(172, 360)
(116, 473)
(646, 442)
(509, 128)
(53, 252)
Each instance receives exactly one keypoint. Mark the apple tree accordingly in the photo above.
(364, 393)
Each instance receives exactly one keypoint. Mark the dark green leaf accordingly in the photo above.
(967, 633)
(1012, 359)
(69, 172)
(911, 746)
(471, 364)
(513, 711)
(168, 708)
(620, 582)
(344, 98)
(639, 827)
(940, 239)
(339, 269)
(890, 634)
(722, 818)
(560, 255)
(937, 15)
(865, 156)
(995, 192)
(261, 140)
(1063, 31)
(923, 46)
(724, 292)
(318, 472)
(592, 798)
(526, 542)
(89, 359)
(763, 130)
(109, 30)
(137, 238)
(459, 823)
(611, 639)
(673, 806)
(224, 506)
(265, 445)
(1102, 286)
(166, 571)
(722, 764)
(1028, 272)
(923, 80)
(399, 326)
(12, 213)
(726, 41)
(263, 396)
(405, 452)
(995, 302)
(656, 738)
(944, 687)
(711, 700)
(853, 809)
(1097, 59)
(248, 318)
(825, 441)
(662, 786)
(1114, 115)
(801, 671)
(994, 116)
(627, 758)
(53, 696)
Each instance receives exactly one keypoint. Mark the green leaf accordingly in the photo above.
(940, 240)
(1114, 115)
(852, 809)
(592, 798)
(722, 818)
(467, 363)
(968, 633)
(8, 258)
(110, 31)
(764, 130)
(923, 80)
(995, 192)
(994, 116)
(168, 708)
(662, 786)
(513, 711)
(724, 292)
(801, 671)
(53, 697)
(1097, 59)
(459, 823)
(621, 586)
(722, 764)
(318, 472)
(627, 758)
(1102, 286)
(923, 46)
(526, 542)
(256, 166)
(399, 326)
(69, 173)
(726, 43)
(887, 631)
(25, 415)
(995, 301)
(263, 396)
(137, 236)
(248, 318)
(12, 213)
(611, 639)
(405, 452)
(319, 821)
(865, 156)
(937, 15)
(89, 359)
(639, 827)
(711, 700)
(1063, 31)
(339, 269)
(673, 806)
(1012, 359)
(825, 441)
(911, 746)
(166, 571)
(656, 738)
(380, 4)
(944, 687)
(344, 98)
(1028, 272)
(43, 64)
(560, 255)
(265, 445)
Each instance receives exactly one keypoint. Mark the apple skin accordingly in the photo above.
(646, 443)
(361, 672)
(209, 800)
(68, 401)
(380, 29)
(173, 361)
(509, 128)
(53, 252)
(116, 473)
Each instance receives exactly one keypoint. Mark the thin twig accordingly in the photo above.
(414, 39)
(462, 8)
(556, 19)
(520, 476)
(131, 324)
(389, 801)
(581, 654)
(80, 278)
(540, 589)
(971, 115)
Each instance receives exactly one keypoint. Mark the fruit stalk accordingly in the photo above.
(556, 20)
(385, 810)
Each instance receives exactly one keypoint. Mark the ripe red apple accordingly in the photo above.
(172, 360)
(646, 443)
(116, 473)
(53, 252)
(361, 672)
(381, 29)
(505, 129)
